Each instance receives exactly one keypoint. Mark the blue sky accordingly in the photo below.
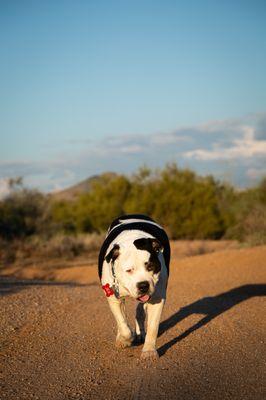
(89, 86)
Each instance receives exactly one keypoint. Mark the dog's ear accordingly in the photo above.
(157, 246)
(113, 254)
(148, 244)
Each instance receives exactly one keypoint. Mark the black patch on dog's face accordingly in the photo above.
(113, 254)
(153, 246)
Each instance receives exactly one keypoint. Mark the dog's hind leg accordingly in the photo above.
(124, 336)
(140, 323)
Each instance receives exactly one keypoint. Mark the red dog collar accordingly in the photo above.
(108, 290)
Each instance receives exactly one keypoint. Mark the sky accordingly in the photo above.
(94, 86)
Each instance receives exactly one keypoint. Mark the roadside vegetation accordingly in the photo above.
(187, 205)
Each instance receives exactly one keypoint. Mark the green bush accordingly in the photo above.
(96, 209)
(187, 205)
(63, 216)
(249, 215)
(22, 214)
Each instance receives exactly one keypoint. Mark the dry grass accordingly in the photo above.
(59, 248)
(189, 248)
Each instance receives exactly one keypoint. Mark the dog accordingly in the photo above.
(134, 261)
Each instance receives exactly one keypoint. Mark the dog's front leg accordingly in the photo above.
(154, 311)
(124, 336)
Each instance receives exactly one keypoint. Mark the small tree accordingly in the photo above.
(22, 212)
(95, 210)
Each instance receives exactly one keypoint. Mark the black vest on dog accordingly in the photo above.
(146, 225)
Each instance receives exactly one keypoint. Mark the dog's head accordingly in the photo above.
(137, 266)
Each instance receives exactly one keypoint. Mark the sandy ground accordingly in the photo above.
(57, 338)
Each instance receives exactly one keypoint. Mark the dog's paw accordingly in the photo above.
(149, 355)
(138, 339)
(123, 342)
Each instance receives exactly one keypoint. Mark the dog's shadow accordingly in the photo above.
(211, 307)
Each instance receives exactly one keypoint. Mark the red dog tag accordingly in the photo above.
(108, 291)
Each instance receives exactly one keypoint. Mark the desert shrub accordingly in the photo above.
(60, 246)
(93, 241)
(142, 192)
(184, 203)
(7, 252)
(249, 215)
(261, 191)
(63, 216)
(187, 205)
(70, 246)
(96, 209)
(254, 225)
(22, 214)
(226, 200)
(64, 247)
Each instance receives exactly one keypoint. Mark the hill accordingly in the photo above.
(84, 186)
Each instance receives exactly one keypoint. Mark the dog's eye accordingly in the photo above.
(129, 270)
(148, 266)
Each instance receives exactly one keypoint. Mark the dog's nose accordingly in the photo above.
(143, 286)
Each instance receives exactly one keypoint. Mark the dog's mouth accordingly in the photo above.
(144, 298)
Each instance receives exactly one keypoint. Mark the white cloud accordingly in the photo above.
(245, 147)
(236, 147)
(131, 149)
(164, 139)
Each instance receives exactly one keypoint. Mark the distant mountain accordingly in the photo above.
(85, 186)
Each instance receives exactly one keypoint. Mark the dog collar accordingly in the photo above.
(111, 290)
(114, 289)
(107, 290)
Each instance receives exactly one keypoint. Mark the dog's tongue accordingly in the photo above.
(144, 298)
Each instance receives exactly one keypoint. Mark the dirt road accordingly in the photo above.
(57, 339)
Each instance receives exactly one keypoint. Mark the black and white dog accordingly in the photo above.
(134, 261)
